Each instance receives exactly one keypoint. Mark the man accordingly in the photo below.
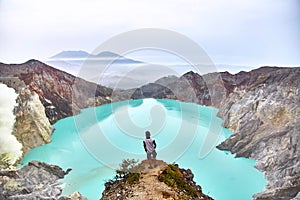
(150, 146)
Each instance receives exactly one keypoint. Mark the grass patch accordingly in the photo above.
(174, 178)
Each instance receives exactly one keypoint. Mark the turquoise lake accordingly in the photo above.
(95, 142)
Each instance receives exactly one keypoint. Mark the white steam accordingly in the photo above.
(8, 142)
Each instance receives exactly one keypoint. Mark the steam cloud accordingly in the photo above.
(8, 142)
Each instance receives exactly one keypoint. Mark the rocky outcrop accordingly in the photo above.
(74, 196)
(62, 94)
(36, 180)
(156, 180)
(32, 127)
(264, 113)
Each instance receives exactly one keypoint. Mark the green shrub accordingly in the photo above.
(132, 178)
(174, 178)
(128, 171)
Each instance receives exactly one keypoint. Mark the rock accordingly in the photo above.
(46, 95)
(61, 94)
(36, 180)
(264, 115)
(296, 197)
(191, 87)
(74, 196)
(32, 127)
(151, 185)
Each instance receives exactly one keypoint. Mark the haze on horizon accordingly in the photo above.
(244, 33)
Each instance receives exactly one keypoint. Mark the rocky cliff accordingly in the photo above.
(32, 127)
(155, 180)
(35, 181)
(191, 87)
(261, 107)
(264, 113)
(46, 95)
(62, 94)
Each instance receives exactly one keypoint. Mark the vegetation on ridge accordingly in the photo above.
(129, 171)
(175, 179)
(153, 179)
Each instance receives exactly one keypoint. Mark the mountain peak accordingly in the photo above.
(107, 54)
(71, 54)
(83, 54)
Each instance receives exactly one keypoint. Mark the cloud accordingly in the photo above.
(247, 30)
(8, 142)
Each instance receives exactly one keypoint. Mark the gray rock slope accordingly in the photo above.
(264, 114)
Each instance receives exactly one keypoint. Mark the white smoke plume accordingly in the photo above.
(8, 142)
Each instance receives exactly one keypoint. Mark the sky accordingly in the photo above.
(235, 32)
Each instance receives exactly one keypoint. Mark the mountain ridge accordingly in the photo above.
(71, 54)
(79, 54)
(61, 93)
(154, 180)
(261, 107)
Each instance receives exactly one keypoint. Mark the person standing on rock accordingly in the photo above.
(150, 146)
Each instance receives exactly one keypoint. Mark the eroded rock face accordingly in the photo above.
(264, 114)
(36, 180)
(32, 128)
(62, 94)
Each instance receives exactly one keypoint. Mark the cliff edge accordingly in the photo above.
(153, 180)
(264, 114)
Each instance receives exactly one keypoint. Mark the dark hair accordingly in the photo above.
(147, 134)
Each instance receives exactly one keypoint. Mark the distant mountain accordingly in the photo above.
(83, 54)
(70, 54)
(122, 72)
(167, 80)
(107, 54)
(74, 62)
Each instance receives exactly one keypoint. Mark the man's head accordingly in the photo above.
(147, 133)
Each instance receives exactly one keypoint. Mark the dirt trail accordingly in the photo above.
(149, 187)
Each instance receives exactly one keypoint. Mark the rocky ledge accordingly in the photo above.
(35, 181)
(153, 180)
(264, 114)
(32, 127)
